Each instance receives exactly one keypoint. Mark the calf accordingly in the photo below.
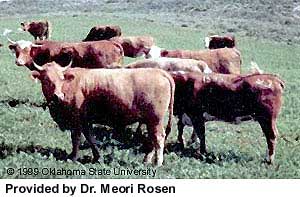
(216, 42)
(135, 46)
(38, 29)
(230, 98)
(225, 60)
(98, 54)
(111, 97)
(103, 33)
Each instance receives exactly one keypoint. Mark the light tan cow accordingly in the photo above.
(224, 60)
(79, 97)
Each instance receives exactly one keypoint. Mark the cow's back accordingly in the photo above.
(225, 60)
(170, 64)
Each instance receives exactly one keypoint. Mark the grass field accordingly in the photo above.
(30, 139)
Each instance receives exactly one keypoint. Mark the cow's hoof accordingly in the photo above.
(201, 152)
(180, 146)
(268, 162)
(72, 157)
(84, 145)
(95, 159)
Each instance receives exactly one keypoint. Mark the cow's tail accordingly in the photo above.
(239, 54)
(121, 51)
(171, 103)
(49, 29)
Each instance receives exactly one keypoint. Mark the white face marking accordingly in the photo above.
(24, 43)
(60, 95)
(206, 41)
(21, 62)
(154, 52)
(186, 120)
(207, 70)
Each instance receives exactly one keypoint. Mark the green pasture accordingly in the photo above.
(29, 138)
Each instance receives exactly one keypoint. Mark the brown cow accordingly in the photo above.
(135, 46)
(98, 54)
(230, 98)
(225, 60)
(38, 29)
(103, 33)
(172, 64)
(216, 42)
(79, 97)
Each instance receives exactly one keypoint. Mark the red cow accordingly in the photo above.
(103, 33)
(230, 98)
(98, 54)
(216, 42)
(38, 29)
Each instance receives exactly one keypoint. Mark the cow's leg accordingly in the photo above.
(119, 133)
(149, 155)
(199, 128)
(92, 141)
(180, 127)
(193, 138)
(138, 136)
(269, 128)
(159, 143)
(75, 135)
(157, 139)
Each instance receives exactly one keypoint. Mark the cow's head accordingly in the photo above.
(154, 52)
(52, 78)
(23, 51)
(25, 26)
(208, 39)
(206, 42)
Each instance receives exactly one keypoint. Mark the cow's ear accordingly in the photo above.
(69, 76)
(12, 47)
(35, 75)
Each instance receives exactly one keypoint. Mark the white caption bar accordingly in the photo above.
(148, 187)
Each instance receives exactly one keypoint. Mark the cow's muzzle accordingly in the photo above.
(20, 63)
(57, 98)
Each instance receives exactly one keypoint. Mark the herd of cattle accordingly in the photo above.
(85, 83)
